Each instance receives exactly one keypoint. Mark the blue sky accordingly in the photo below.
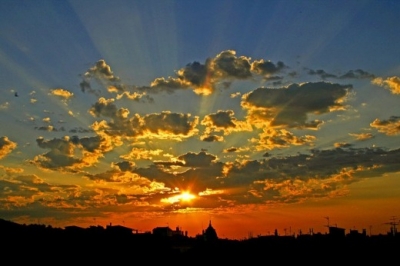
(263, 112)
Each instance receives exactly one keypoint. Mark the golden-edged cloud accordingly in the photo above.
(224, 121)
(62, 93)
(159, 125)
(6, 146)
(391, 83)
(390, 127)
(290, 106)
(362, 136)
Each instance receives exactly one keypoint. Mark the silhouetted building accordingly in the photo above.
(119, 229)
(166, 231)
(210, 234)
(336, 231)
(162, 231)
(74, 229)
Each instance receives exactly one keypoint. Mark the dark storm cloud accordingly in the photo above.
(351, 74)
(101, 70)
(228, 65)
(201, 159)
(102, 73)
(357, 74)
(318, 164)
(124, 166)
(156, 172)
(55, 160)
(267, 68)
(222, 119)
(104, 107)
(233, 149)
(88, 143)
(63, 151)
(290, 106)
(321, 73)
(167, 122)
(194, 73)
(212, 138)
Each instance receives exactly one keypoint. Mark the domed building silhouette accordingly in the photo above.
(210, 234)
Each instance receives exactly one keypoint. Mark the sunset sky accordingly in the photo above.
(256, 115)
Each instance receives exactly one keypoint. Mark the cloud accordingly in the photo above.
(102, 73)
(168, 123)
(224, 121)
(390, 127)
(212, 138)
(24, 190)
(6, 146)
(351, 74)
(227, 65)
(391, 83)
(201, 159)
(160, 125)
(62, 93)
(141, 153)
(362, 136)
(4, 106)
(279, 138)
(124, 166)
(321, 73)
(290, 106)
(357, 74)
(267, 68)
(12, 170)
(231, 149)
(321, 173)
(202, 78)
(63, 154)
(342, 145)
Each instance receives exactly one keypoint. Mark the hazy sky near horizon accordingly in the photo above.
(146, 113)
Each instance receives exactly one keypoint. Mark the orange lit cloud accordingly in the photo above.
(362, 136)
(390, 127)
(6, 146)
(270, 139)
(62, 93)
(392, 83)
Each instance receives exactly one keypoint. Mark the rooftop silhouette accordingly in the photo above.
(116, 241)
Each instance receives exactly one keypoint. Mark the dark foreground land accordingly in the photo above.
(22, 244)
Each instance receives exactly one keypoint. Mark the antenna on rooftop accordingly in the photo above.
(393, 224)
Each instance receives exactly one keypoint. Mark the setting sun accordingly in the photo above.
(184, 196)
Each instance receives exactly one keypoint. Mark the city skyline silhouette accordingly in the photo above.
(260, 116)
